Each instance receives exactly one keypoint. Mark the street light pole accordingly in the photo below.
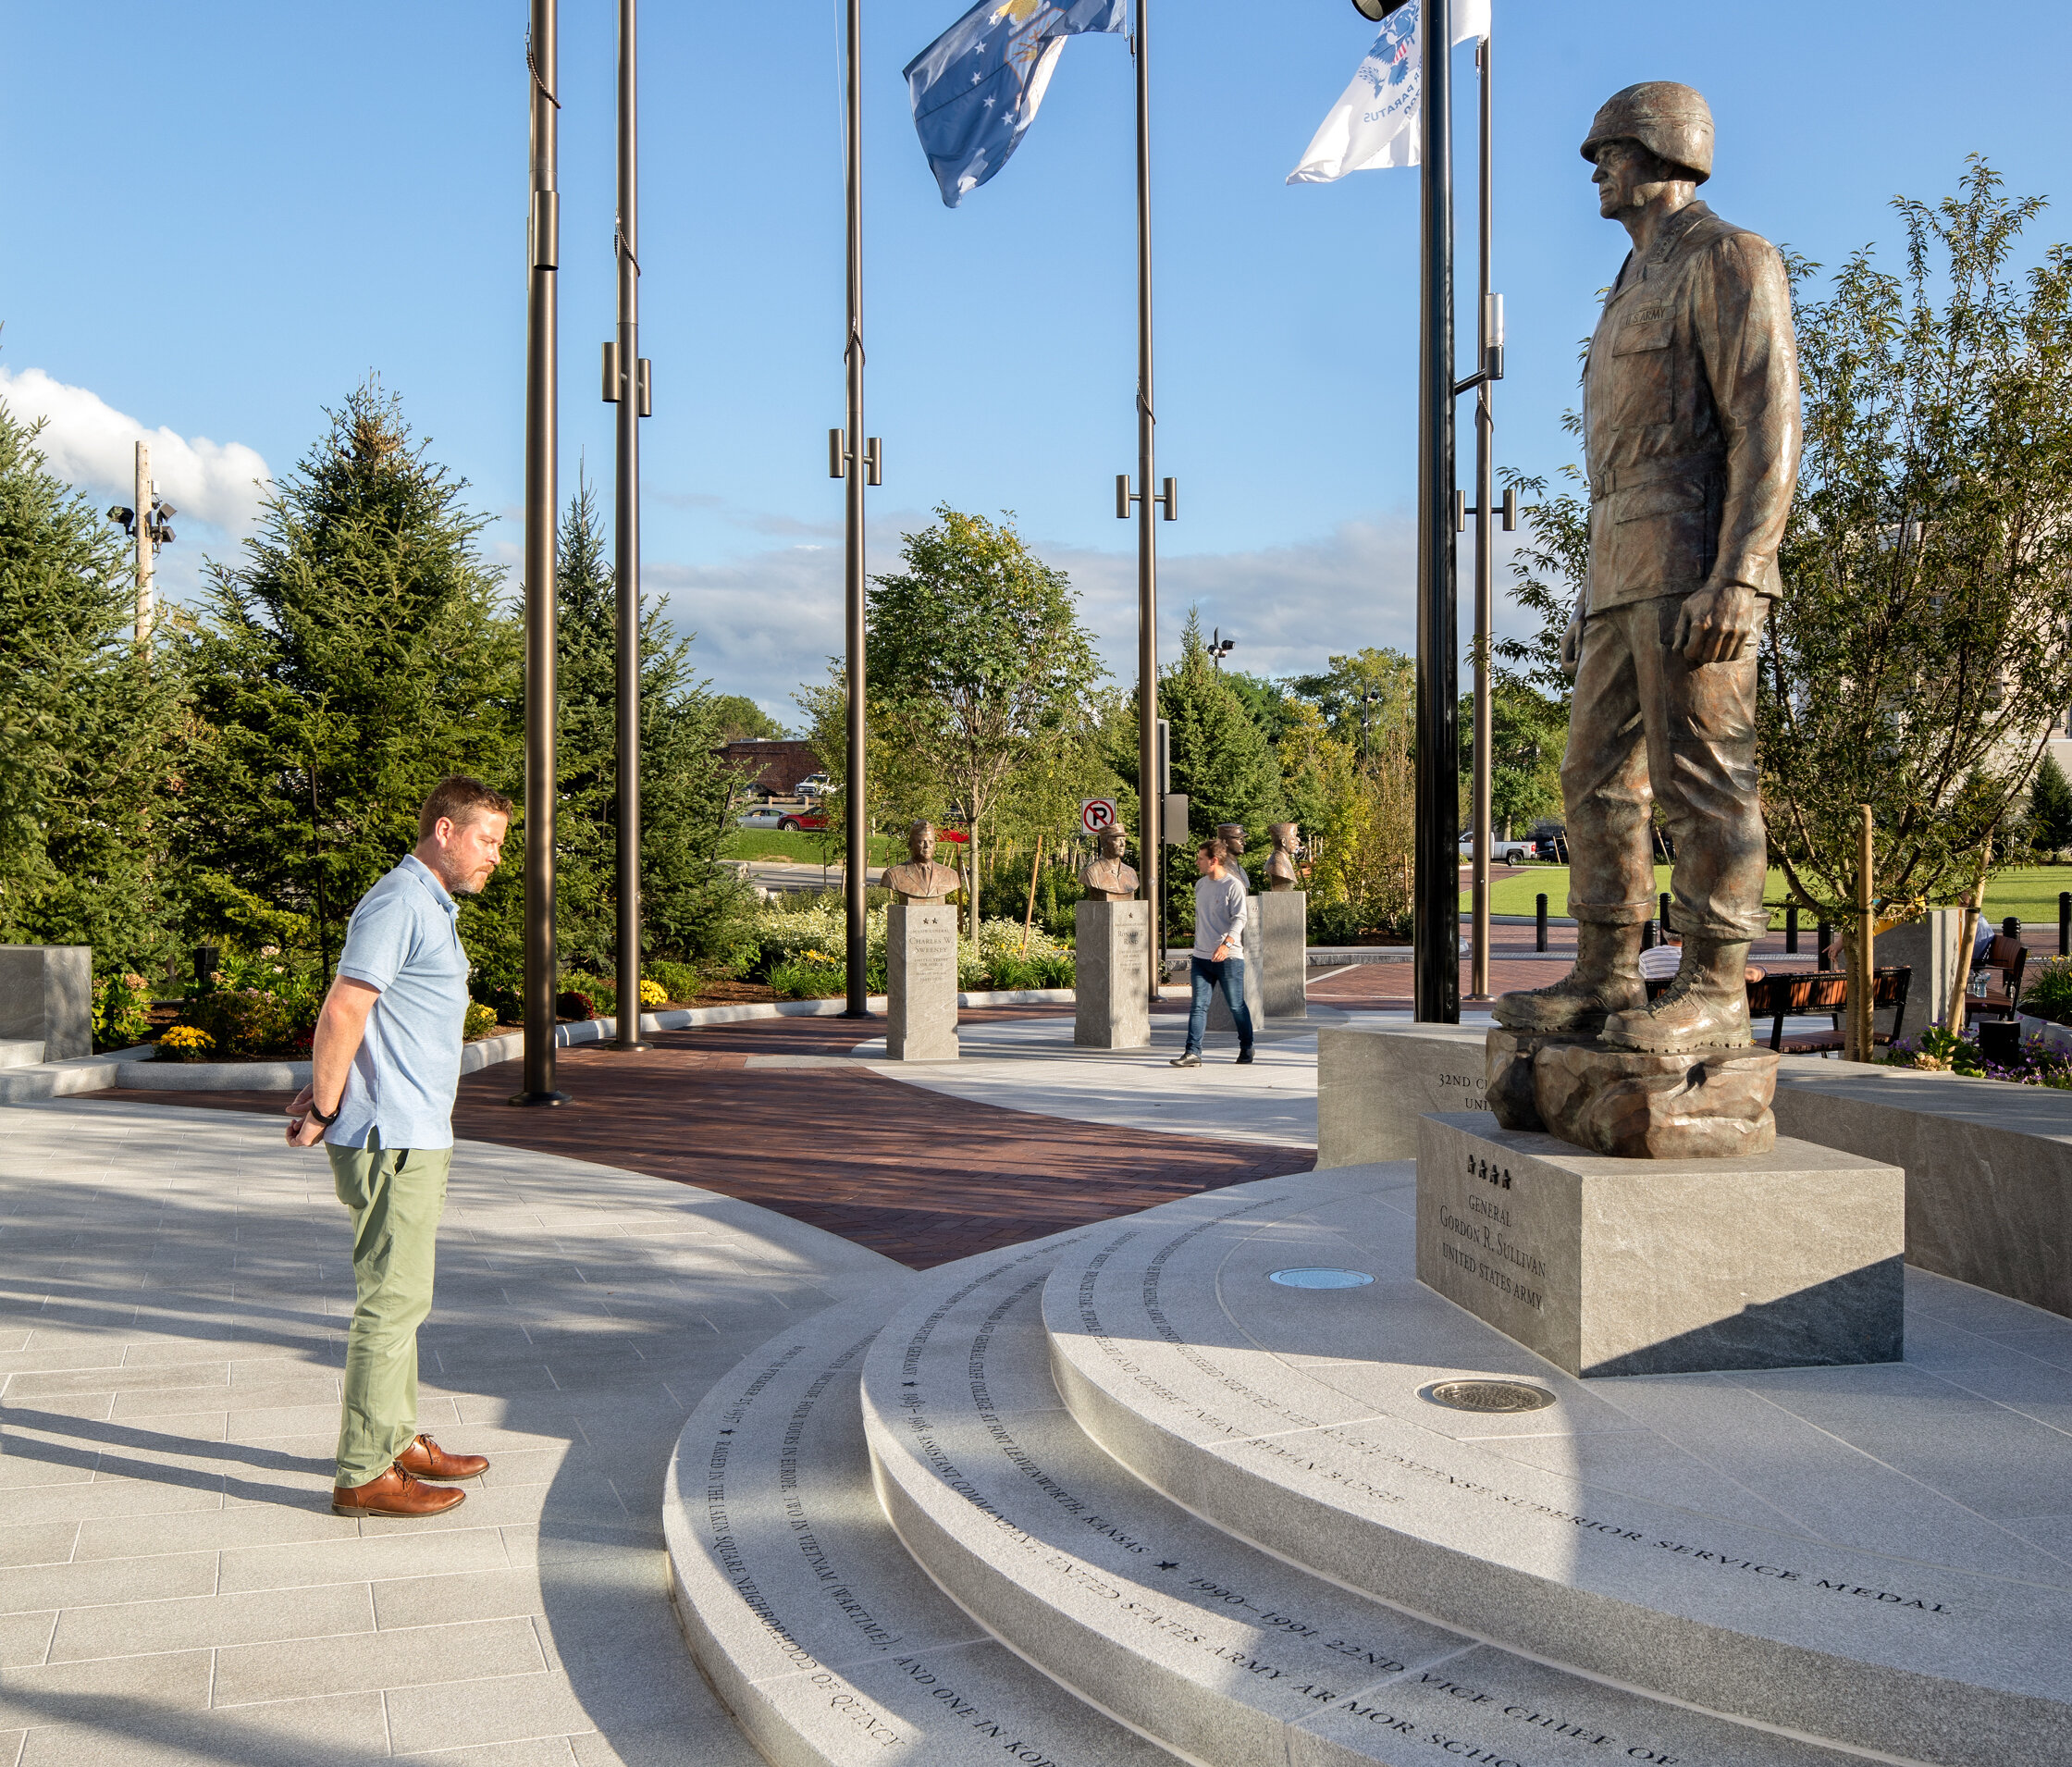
(1151, 804)
(858, 469)
(143, 502)
(1436, 912)
(627, 380)
(1488, 338)
(542, 421)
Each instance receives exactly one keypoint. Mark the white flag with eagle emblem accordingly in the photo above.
(1374, 125)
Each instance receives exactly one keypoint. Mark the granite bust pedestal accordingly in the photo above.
(1283, 953)
(1112, 980)
(921, 982)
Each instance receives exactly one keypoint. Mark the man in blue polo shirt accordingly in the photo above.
(386, 1066)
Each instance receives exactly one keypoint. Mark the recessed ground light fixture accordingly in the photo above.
(1486, 1395)
(1321, 1278)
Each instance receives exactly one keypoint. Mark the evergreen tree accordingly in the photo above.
(84, 726)
(356, 654)
(689, 906)
(2050, 806)
(1220, 756)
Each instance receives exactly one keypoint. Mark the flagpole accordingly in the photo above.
(1435, 913)
(1150, 842)
(1484, 558)
(631, 386)
(856, 870)
(542, 426)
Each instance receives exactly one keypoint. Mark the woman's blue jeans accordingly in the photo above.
(1208, 976)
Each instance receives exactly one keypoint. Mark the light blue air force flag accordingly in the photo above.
(975, 87)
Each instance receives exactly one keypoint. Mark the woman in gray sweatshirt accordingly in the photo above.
(1220, 960)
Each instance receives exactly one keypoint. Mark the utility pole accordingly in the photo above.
(1150, 804)
(861, 462)
(626, 383)
(542, 432)
(1435, 912)
(143, 499)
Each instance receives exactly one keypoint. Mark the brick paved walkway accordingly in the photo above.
(915, 1175)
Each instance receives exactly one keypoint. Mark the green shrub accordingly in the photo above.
(679, 980)
(248, 1023)
(121, 1010)
(2048, 991)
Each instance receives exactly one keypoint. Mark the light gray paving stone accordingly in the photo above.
(28, 1588)
(270, 1522)
(343, 1731)
(477, 1713)
(469, 1650)
(25, 1640)
(61, 1692)
(465, 1595)
(310, 1563)
(1915, 1655)
(37, 1543)
(134, 1628)
(534, 1751)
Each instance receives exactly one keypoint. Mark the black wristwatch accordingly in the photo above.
(324, 1120)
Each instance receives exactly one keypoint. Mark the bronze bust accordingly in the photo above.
(1232, 835)
(921, 880)
(1691, 432)
(1105, 877)
(1281, 873)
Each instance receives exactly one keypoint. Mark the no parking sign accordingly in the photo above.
(1097, 813)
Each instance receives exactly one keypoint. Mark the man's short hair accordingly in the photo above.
(1212, 846)
(459, 799)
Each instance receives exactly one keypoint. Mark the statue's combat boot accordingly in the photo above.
(1704, 1007)
(1606, 979)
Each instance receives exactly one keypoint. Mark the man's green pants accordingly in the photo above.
(397, 1196)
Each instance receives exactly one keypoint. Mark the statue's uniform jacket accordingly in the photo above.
(1691, 432)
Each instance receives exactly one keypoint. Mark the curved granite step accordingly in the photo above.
(1218, 1651)
(817, 1631)
(1837, 1552)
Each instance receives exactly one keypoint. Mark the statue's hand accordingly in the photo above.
(1572, 644)
(1718, 624)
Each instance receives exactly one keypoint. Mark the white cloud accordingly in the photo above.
(87, 441)
(770, 621)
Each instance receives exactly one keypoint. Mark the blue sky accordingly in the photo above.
(223, 217)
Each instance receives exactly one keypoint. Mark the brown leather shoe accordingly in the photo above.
(394, 1493)
(425, 1459)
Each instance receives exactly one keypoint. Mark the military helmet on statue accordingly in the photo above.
(1672, 121)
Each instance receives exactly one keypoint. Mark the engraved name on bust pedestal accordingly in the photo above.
(921, 880)
(1105, 877)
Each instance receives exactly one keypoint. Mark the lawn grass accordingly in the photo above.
(803, 844)
(2030, 891)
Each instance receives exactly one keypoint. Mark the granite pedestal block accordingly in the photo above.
(1786, 1259)
(921, 982)
(1255, 995)
(1372, 1086)
(1112, 980)
(1283, 952)
(46, 996)
(1709, 1104)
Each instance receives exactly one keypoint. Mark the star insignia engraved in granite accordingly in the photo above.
(1169, 1565)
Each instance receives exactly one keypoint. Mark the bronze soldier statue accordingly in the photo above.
(1106, 877)
(921, 880)
(1691, 432)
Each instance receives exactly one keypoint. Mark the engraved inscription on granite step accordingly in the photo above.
(920, 982)
(1610, 1267)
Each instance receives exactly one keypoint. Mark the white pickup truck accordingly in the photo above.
(1502, 852)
